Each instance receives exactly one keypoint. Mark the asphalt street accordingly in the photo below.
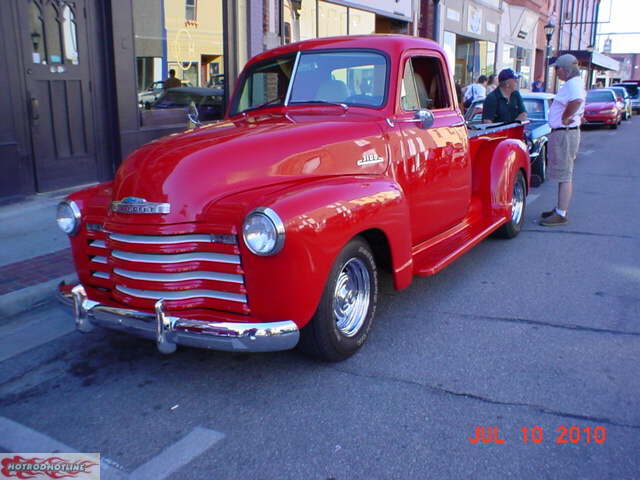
(540, 331)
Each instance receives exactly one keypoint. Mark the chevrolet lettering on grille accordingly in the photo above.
(137, 205)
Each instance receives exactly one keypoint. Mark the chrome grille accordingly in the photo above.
(195, 270)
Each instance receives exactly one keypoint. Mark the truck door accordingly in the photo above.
(435, 170)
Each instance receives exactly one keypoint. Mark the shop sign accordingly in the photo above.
(474, 20)
(453, 15)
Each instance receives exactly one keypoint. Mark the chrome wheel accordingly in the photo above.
(517, 202)
(351, 297)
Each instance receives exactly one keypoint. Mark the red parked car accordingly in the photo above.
(338, 158)
(601, 108)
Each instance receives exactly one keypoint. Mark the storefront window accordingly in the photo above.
(299, 24)
(178, 44)
(332, 20)
(361, 22)
(519, 59)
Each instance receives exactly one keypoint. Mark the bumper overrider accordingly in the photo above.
(169, 331)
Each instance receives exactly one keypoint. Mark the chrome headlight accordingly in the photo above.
(68, 217)
(263, 232)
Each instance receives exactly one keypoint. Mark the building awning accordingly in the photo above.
(591, 59)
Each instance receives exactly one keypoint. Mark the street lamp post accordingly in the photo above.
(548, 32)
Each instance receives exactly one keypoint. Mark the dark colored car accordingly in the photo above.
(154, 91)
(171, 107)
(536, 131)
(632, 88)
(601, 108)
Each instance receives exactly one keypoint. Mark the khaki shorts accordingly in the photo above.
(562, 148)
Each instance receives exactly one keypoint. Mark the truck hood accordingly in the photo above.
(194, 169)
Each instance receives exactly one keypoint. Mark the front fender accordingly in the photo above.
(508, 157)
(320, 218)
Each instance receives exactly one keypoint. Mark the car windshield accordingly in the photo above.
(337, 77)
(620, 92)
(632, 89)
(175, 98)
(600, 97)
(535, 108)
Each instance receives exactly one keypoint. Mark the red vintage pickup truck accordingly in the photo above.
(338, 159)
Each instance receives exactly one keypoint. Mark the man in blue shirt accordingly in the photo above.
(504, 104)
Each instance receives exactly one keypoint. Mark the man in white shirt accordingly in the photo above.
(475, 91)
(565, 117)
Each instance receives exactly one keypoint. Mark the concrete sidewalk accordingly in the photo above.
(34, 253)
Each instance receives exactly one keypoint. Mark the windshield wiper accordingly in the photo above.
(265, 104)
(324, 102)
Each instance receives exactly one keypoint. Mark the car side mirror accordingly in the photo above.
(192, 115)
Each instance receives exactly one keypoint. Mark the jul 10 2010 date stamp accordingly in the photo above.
(562, 435)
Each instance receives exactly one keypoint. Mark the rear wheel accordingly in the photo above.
(518, 203)
(345, 314)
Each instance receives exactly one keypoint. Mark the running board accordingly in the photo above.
(433, 255)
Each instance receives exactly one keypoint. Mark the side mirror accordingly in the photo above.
(192, 115)
(424, 118)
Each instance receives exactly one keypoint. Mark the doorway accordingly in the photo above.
(57, 72)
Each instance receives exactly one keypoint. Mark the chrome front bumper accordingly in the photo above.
(169, 331)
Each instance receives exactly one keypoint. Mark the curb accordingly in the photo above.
(27, 298)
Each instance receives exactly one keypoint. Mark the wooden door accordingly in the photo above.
(60, 100)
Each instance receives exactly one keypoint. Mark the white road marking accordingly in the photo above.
(17, 338)
(20, 438)
(587, 152)
(177, 455)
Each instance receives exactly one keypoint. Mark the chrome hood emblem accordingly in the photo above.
(139, 206)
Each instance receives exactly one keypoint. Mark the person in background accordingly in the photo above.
(492, 83)
(504, 104)
(537, 86)
(564, 118)
(172, 81)
(475, 91)
(599, 84)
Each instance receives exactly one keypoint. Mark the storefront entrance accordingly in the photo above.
(473, 58)
(57, 79)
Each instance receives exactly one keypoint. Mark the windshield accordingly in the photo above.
(535, 108)
(344, 77)
(600, 97)
(632, 89)
(620, 92)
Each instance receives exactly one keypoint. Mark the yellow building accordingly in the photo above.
(194, 36)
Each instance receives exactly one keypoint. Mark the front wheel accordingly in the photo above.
(518, 203)
(345, 314)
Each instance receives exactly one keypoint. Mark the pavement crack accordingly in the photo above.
(576, 232)
(480, 398)
(540, 323)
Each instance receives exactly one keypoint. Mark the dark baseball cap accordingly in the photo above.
(507, 74)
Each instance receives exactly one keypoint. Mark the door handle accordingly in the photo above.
(35, 108)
